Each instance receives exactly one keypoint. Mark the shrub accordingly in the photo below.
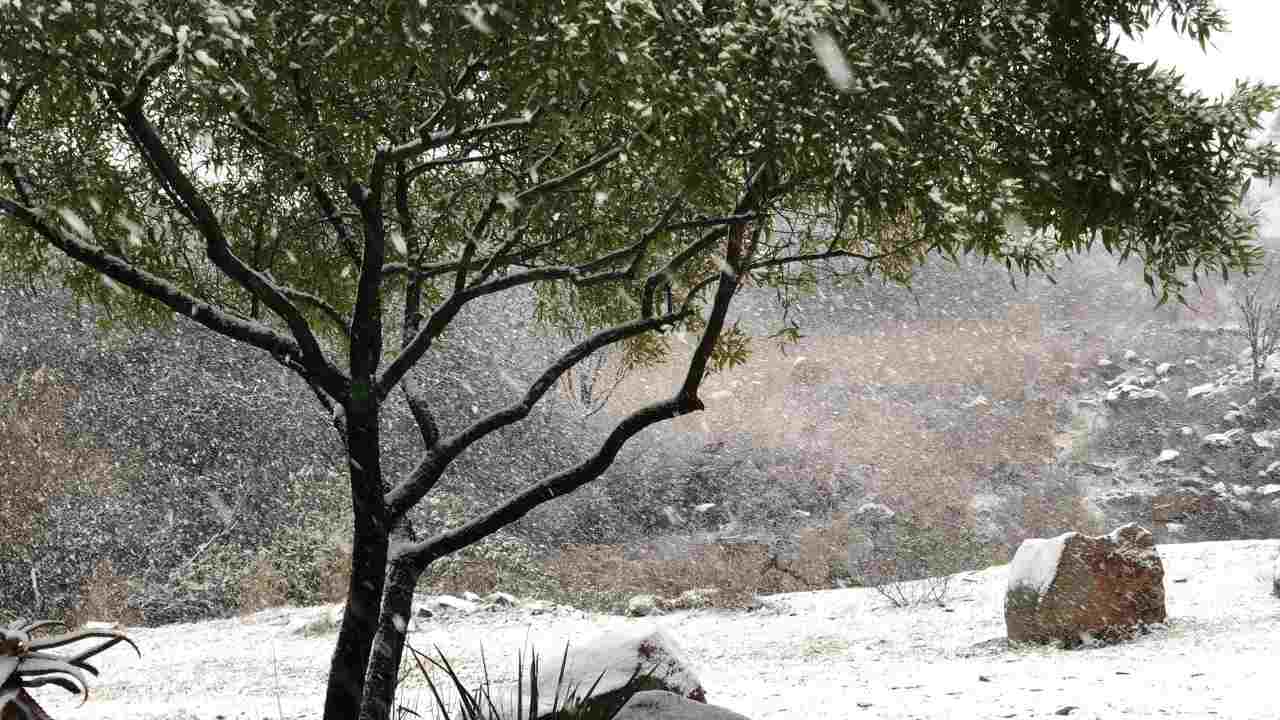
(42, 466)
(262, 586)
(910, 562)
(104, 596)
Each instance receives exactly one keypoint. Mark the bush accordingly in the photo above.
(45, 470)
(910, 563)
(104, 597)
(262, 586)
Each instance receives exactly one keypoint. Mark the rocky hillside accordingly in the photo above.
(961, 416)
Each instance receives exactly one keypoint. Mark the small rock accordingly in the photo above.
(450, 603)
(1167, 456)
(470, 597)
(1266, 439)
(500, 599)
(1202, 390)
(1130, 356)
(1164, 369)
(1223, 439)
(1190, 362)
(642, 606)
(1065, 710)
(874, 513)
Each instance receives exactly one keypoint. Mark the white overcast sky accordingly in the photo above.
(1250, 49)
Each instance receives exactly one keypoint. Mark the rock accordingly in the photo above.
(1165, 368)
(435, 604)
(1135, 395)
(1190, 362)
(1266, 439)
(1108, 370)
(689, 599)
(618, 655)
(1204, 390)
(1187, 431)
(1167, 456)
(1223, 439)
(873, 513)
(1234, 417)
(1130, 356)
(1266, 491)
(500, 599)
(701, 508)
(470, 597)
(1136, 376)
(1075, 588)
(662, 705)
(642, 606)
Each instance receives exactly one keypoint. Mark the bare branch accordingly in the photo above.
(459, 160)
(169, 174)
(431, 140)
(419, 482)
(319, 303)
(413, 395)
(444, 314)
(706, 222)
(686, 400)
(159, 289)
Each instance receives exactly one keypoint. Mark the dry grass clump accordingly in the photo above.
(736, 571)
(262, 586)
(39, 460)
(104, 597)
(334, 568)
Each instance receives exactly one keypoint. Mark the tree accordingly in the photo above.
(296, 178)
(1259, 306)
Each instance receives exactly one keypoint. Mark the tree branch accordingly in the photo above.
(167, 171)
(422, 554)
(156, 288)
(419, 482)
(430, 140)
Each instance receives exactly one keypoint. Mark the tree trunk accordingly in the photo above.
(388, 645)
(359, 622)
(368, 568)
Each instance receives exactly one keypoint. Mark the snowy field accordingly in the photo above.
(833, 654)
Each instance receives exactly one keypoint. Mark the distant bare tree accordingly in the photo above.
(1259, 306)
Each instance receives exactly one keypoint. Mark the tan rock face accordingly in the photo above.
(1103, 588)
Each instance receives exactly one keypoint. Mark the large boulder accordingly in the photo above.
(661, 705)
(1076, 588)
(610, 662)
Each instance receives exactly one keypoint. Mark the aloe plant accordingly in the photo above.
(26, 663)
(568, 702)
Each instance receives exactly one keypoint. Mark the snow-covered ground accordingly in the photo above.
(833, 654)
